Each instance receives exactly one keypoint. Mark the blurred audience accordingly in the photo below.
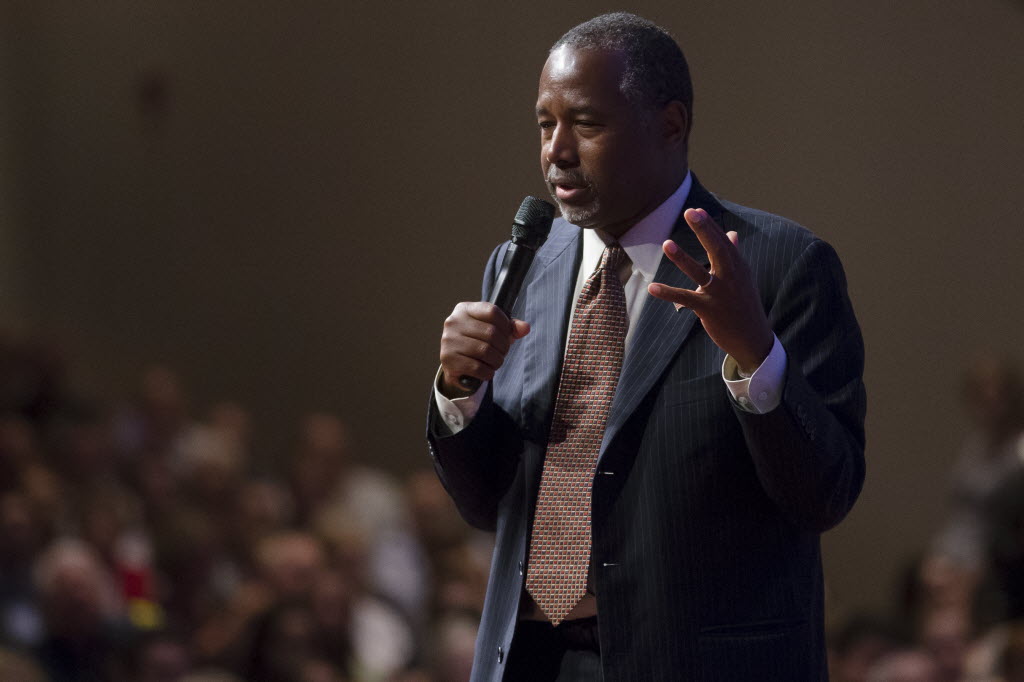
(957, 618)
(86, 633)
(906, 665)
(992, 452)
(857, 646)
(140, 542)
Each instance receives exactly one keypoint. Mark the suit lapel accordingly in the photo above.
(661, 330)
(548, 298)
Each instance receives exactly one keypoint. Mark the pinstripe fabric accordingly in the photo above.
(705, 519)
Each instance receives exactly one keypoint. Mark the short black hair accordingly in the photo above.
(656, 70)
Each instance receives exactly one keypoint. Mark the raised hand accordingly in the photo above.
(726, 299)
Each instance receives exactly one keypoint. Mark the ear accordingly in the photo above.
(675, 123)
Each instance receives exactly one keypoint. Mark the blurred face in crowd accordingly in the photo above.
(332, 601)
(20, 534)
(290, 563)
(994, 395)
(163, 660)
(905, 666)
(322, 458)
(944, 634)
(76, 588)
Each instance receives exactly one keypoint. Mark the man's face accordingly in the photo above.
(602, 155)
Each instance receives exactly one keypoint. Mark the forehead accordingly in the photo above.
(576, 76)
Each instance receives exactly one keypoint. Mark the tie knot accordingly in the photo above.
(612, 257)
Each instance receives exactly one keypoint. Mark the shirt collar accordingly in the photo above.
(643, 241)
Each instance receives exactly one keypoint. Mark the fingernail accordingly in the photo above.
(671, 247)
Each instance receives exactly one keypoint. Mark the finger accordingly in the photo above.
(487, 312)
(464, 355)
(734, 237)
(690, 267)
(486, 343)
(520, 328)
(489, 334)
(480, 352)
(708, 233)
(496, 329)
(686, 298)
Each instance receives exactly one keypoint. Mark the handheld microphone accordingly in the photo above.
(529, 231)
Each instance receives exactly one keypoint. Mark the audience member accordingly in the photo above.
(86, 634)
(992, 452)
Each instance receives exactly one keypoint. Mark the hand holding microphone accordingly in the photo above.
(478, 335)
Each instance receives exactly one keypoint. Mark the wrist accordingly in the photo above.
(453, 390)
(748, 364)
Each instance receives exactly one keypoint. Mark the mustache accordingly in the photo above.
(573, 176)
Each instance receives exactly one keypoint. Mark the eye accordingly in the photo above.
(544, 125)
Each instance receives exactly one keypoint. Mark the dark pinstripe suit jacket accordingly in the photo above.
(706, 519)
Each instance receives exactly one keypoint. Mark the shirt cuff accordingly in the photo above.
(762, 392)
(457, 413)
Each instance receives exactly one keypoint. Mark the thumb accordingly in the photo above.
(520, 328)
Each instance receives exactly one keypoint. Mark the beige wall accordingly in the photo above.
(241, 234)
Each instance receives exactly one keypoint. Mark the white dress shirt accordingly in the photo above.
(759, 393)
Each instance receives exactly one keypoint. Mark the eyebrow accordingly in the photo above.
(576, 111)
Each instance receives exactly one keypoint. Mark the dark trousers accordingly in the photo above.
(541, 652)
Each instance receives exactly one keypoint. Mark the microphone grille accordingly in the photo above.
(532, 222)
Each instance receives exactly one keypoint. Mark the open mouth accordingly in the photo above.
(569, 193)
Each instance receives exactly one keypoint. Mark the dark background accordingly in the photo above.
(283, 201)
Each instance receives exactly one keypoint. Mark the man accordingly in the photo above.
(695, 364)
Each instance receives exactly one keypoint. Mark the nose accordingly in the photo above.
(560, 148)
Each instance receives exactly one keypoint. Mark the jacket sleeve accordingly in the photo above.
(809, 451)
(476, 465)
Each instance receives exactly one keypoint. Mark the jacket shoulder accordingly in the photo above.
(766, 224)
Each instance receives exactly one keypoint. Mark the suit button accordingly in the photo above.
(520, 568)
(501, 655)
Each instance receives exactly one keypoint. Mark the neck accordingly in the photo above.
(673, 178)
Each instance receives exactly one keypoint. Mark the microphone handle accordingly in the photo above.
(510, 278)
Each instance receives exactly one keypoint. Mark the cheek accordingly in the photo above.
(633, 171)
(612, 157)
(599, 162)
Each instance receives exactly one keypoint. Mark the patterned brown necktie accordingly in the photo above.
(560, 542)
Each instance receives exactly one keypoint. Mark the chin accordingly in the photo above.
(581, 216)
